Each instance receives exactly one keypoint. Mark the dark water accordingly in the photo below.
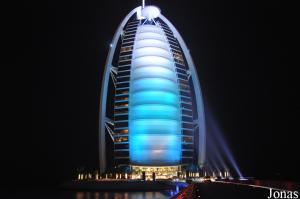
(122, 195)
(63, 194)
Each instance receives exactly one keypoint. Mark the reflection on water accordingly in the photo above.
(67, 194)
(125, 195)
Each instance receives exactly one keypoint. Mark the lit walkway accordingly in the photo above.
(219, 191)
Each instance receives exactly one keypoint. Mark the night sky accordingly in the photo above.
(237, 48)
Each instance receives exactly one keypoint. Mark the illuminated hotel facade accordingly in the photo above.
(155, 118)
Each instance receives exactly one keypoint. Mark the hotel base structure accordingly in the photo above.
(151, 109)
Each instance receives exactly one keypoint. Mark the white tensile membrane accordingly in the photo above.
(154, 105)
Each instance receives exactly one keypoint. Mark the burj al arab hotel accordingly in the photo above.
(151, 107)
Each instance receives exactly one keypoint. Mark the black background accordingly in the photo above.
(58, 53)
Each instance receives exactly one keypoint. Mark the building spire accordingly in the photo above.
(143, 3)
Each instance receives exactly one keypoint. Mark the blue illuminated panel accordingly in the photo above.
(154, 101)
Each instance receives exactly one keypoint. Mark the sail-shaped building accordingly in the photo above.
(151, 108)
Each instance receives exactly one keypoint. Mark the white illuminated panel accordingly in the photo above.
(157, 52)
(152, 43)
(152, 61)
(151, 35)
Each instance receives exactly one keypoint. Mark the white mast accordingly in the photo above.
(143, 3)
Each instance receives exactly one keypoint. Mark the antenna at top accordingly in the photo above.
(143, 3)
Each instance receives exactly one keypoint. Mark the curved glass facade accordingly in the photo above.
(154, 105)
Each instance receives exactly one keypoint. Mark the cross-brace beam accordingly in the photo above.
(109, 121)
(188, 73)
(196, 124)
(113, 73)
(110, 131)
